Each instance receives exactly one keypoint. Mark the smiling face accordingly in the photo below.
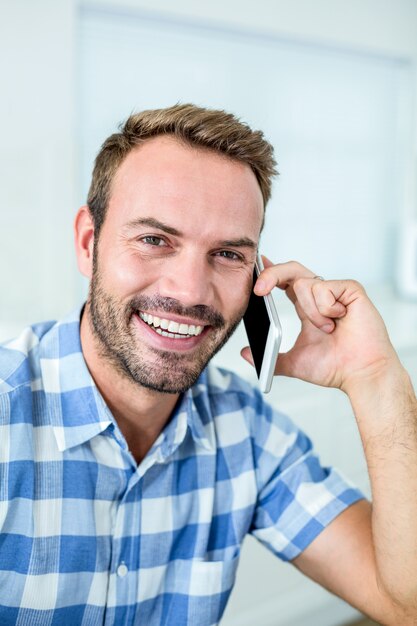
(172, 268)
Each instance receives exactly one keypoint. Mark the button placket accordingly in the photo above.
(122, 570)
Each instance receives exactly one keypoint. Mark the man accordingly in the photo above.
(131, 472)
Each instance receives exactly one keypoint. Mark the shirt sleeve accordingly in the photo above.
(297, 496)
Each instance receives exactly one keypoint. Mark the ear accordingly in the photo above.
(84, 241)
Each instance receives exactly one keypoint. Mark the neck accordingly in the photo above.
(141, 413)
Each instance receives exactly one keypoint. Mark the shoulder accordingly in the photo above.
(238, 405)
(228, 392)
(19, 361)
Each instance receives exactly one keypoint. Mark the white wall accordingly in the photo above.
(37, 175)
(332, 116)
(384, 26)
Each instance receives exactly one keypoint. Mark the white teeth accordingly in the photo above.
(173, 329)
(172, 335)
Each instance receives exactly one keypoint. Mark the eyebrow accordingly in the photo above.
(240, 242)
(153, 223)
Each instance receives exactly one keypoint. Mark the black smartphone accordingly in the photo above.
(264, 332)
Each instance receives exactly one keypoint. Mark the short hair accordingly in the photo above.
(198, 127)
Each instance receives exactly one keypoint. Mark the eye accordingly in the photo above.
(229, 255)
(153, 240)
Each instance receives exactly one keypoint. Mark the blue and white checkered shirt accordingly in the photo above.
(88, 537)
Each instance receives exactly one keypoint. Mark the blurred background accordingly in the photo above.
(332, 83)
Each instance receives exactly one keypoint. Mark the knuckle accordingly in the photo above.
(318, 285)
(299, 283)
(324, 309)
(353, 284)
(356, 284)
(296, 265)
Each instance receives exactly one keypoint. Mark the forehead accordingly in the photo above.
(175, 181)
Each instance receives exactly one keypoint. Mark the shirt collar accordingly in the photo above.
(77, 410)
(199, 413)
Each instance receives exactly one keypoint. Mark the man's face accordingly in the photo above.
(173, 263)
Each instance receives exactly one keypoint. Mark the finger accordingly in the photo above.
(319, 302)
(267, 262)
(344, 291)
(303, 289)
(260, 284)
(283, 366)
(327, 301)
(280, 275)
(247, 355)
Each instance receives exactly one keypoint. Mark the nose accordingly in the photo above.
(188, 279)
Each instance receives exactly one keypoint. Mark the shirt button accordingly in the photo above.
(122, 570)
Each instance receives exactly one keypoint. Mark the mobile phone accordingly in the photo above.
(264, 332)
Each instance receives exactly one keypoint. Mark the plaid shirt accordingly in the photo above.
(88, 537)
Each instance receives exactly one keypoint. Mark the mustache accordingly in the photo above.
(201, 312)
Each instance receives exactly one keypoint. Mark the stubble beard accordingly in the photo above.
(164, 371)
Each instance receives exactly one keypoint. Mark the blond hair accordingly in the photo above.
(210, 129)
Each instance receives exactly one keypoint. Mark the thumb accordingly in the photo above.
(247, 355)
(284, 365)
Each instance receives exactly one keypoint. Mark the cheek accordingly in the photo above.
(236, 295)
(124, 274)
